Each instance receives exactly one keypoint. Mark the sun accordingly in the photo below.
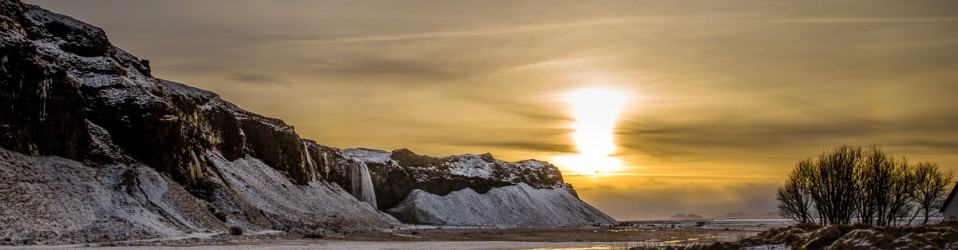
(596, 112)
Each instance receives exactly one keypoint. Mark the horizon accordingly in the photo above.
(688, 108)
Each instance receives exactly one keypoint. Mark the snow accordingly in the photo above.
(189, 91)
(519, 205)
(54, 200)
(51, 200)
(256, 186)
(368, 155)
(471, 166)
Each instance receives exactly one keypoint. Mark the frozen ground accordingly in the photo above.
(434, 237)
(756, 225)
(359, 245)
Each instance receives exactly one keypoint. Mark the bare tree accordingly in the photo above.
(832, 185)
(794, 200)
(873, 181)
(899, 200)
(930, 187)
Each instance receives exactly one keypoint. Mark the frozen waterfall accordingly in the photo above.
(363, 184)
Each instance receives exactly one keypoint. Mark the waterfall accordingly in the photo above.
(363, 184)
(309, 162)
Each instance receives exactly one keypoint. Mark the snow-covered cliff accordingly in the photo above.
(93, 147)
(473, 189)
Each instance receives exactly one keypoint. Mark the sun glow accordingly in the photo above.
(596, 111)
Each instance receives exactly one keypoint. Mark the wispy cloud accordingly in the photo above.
(596, 23)
(870, 20)
(477, 32)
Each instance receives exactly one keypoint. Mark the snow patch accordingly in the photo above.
(470, 166)
(368, 155)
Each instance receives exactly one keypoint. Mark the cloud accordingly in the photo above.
(651, 198)
(545, 148)
(259, 79)
(469, 33)
(840, 20)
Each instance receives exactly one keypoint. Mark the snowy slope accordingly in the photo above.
(54, 200)
(518, 205)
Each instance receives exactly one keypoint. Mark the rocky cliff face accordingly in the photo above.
(178, 159)
(174, 159)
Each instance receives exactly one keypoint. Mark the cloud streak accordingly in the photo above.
(867, 20)
(471, 33)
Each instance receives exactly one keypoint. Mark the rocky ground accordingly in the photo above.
(812, 236)
(588, 236)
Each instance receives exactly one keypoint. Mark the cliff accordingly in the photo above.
(94, 147)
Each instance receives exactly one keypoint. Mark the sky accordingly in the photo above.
(707, 105)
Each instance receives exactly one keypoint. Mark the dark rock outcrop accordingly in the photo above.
(42, 107)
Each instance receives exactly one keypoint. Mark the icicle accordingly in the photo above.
(363, 184)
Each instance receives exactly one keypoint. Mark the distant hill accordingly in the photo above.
(686, 216)
(742, 215)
